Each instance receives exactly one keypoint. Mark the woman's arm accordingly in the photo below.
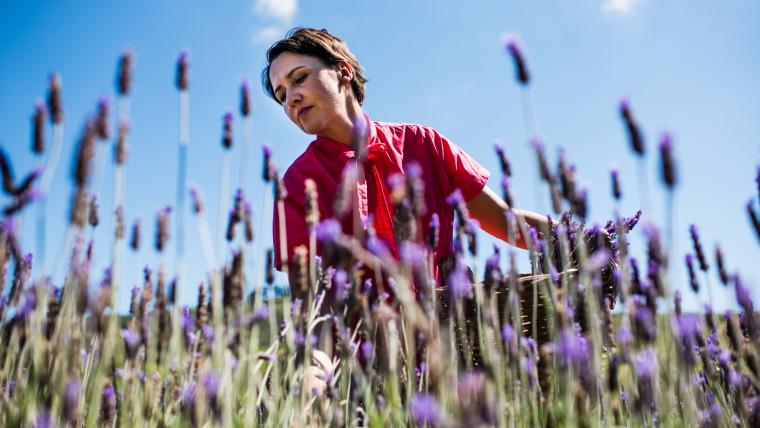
(488, 209)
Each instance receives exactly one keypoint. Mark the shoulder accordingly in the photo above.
(407, 132)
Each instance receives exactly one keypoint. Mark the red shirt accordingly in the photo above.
(391, 148)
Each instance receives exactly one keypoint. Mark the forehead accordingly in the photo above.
(288, 61)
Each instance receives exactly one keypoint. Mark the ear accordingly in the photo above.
(345, 71)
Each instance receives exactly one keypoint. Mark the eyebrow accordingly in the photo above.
(287, 76)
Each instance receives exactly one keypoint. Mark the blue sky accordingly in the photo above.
(689, 67)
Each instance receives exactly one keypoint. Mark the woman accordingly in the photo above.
(320, 85)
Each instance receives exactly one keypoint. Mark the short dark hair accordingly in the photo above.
(321, 45)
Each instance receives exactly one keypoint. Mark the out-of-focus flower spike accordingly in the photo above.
(513, 46)
(54, 99)
(245, 98)
(102, 129)
(38, 128)
(506, 168)
(694, 233)
(635, 138)
(182, 78)
(227, 130)
(667, 162)
(692, 274)
(614, 176)
(124, 73)
(753, 219)
(719, 263)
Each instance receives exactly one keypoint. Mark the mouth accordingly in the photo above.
(302, 111)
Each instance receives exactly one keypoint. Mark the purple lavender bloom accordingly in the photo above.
(260, 314)
(506, 169)
(329, 230)
(38, 128)
(753, 218)
(645, 363)
(341, 284)
(71, 399)
(512, 44)
(703, 266)
(571, 347)
(425, 409)
(187, 396)
(635, 137)
(211, 384)
(28, 305)
(109, 400)
(124, 73)
(455, 198)
(411, 253)
(208, 333)
(43, 420)
(543, 165)
(667, 162)
(742, 295)
(459, 282)
(227, 130)
(508, 333)
(434, 231)
(245, 98)
(367, 350)
(506, 192)
(54, 99)
(131, 342)
(614, 176)
(692, 274)
(182, 79)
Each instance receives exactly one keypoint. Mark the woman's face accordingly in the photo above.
(313, 95)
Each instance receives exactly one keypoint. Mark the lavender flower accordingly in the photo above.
(616, 193)
(245, 98)
(124, 73)
(434, 231)
(71, 400)
(329, 230)
(543, 165)
(38, 128)
(506, 169)
(425, 409)
(120, 150)
(703, 266)
(692, 274)
(459, 282)
(268, 169)
(753, 218)
(507, 194)
(182, 80)
(571, 347)
(131, 342)
(43, 420)
(635, 137)
(197, 199)
(722, 274)
(227, 130)
(667, 162)
(108, 403)
(512, 45)
(162, 228)
(54, 101)
(102, 129)
(742, 295)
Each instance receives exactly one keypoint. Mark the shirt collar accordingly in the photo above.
(330, 146)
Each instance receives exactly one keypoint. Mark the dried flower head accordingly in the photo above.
(162, 228)
(182, 79)
(245, 98)
(54, 100)
(311, 203)
(102, 129)
(124, 72)
(38, 128)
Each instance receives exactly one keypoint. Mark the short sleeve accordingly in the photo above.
(463, 172)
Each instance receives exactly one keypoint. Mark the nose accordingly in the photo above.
(292, 98)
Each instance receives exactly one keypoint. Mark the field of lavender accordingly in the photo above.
(590, 337)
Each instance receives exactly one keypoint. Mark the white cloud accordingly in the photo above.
(269, 34)
(283, 10)
(622, 7)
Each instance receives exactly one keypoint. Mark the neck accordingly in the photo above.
(344, 130)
